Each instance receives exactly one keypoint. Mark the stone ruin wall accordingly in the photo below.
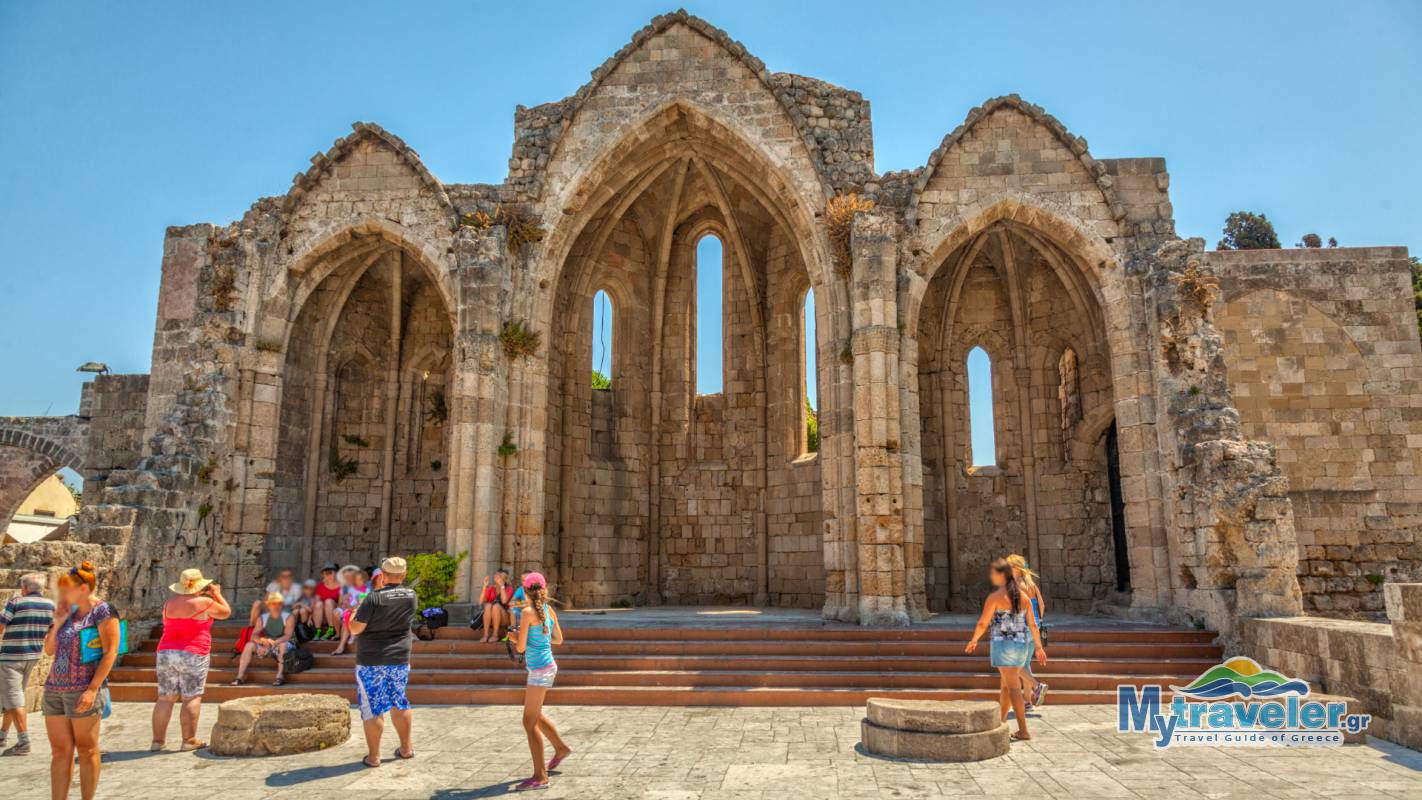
(1324, 363)
(859, 529)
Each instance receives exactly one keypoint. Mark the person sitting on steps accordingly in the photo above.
(495, 600)
(272, 637)
(285, 585)
(325, 613)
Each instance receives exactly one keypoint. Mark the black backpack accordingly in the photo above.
(297, 659)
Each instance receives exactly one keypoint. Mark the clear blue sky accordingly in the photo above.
(118, 119)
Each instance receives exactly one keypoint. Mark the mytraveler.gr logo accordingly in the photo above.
(1198, 714)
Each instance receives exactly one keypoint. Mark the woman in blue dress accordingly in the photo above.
(538, 631)
(1015, 637)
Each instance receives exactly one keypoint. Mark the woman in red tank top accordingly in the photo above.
(183, 654)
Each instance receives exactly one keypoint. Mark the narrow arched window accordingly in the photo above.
(602, 341)
(710, 346)
(812, 401)
(982, 451)
(1069, 390)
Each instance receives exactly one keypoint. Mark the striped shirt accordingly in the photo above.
(26, 618)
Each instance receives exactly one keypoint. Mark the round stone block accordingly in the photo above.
(280, 724)
(955, 747)
(934, 716)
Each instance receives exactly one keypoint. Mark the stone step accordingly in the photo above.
(747, 679)
(884, 665)
(105, 534)
(614, 696)
(109, 514)
(1125, 634)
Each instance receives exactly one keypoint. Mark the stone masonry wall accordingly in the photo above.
(1324, 363)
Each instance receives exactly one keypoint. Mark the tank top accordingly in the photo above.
(1009, 627)
(538, 650)
(274, 627)
(187, 633)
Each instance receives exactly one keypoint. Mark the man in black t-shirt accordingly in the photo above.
(382, 628)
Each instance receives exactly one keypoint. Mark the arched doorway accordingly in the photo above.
(1013, 356)
(363, 440)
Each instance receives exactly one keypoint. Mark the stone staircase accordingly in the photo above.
(731, 666)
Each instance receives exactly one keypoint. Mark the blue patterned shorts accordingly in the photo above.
(381, 689)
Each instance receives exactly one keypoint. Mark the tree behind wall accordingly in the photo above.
(1417, 289)
(1245, 230)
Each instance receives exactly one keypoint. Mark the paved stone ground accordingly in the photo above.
(729, 754)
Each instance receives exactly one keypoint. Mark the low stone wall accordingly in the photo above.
(1380, 664)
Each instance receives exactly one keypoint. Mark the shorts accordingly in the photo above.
(275, 651)
(62, 704)
(1007, 653)
(13, 677)
(543, 676)
(382, 688)
(181, 674)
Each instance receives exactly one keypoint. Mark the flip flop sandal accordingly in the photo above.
(237, 681)
(400, 755)
(193, 744)
(155, 747)
(279, 682)
(1017, 737)
(553, 764)
(366, 761)
(531, 783)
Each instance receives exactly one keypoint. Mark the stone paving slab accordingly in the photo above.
(729, 754)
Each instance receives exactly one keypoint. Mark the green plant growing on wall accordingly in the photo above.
(229, 485)
(204, 510)
(438, 410)
(432, 575)
(507, 446)
(205, 472)
(342, 468)
(519, 339)
(846, 356)
(355, 441)
(1374, 579)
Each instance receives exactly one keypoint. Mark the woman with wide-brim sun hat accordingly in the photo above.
(538, 631)
(184, 654)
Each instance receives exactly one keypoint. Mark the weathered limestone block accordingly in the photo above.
(280, 724)
(932, 730)
(953, 747)
(1355, 706)
(933, 716)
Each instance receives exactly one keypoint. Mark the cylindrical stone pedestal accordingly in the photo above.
(935, 730)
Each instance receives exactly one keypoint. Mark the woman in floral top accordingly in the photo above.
(71, 704)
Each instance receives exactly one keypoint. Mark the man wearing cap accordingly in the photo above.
(382, 625)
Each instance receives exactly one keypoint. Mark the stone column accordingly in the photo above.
(1404, 610)
(878, 460)
(478, 398)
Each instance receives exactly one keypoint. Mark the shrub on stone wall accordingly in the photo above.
(431, 575)
(839, 216)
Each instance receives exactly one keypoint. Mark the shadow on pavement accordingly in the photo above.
(293, 777)
(495, 790)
